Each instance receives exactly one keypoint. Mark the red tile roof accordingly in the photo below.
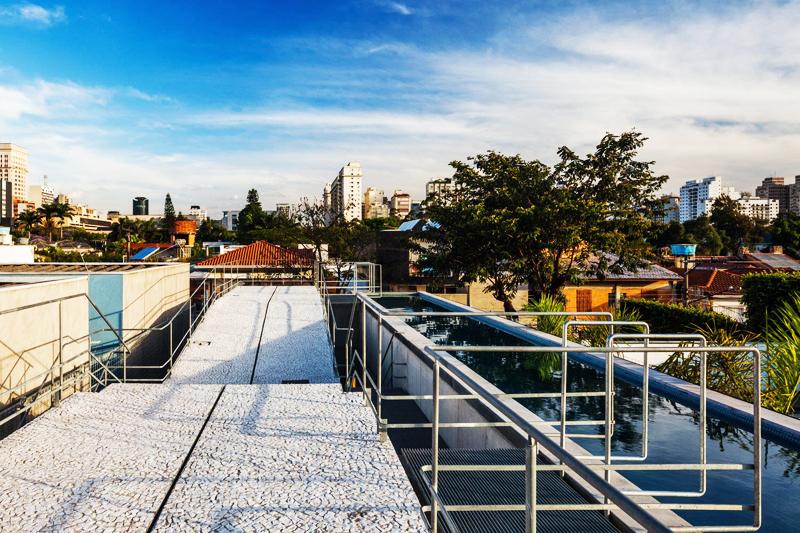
(715, 281)
(263, 254)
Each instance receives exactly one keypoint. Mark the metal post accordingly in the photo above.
(170, 348)
(563, 436)
(530, 485)
(609, 416)
(57, 396)
(435, 447)
(379, 409)
(364, 350)
(190, 318)
(757, 437)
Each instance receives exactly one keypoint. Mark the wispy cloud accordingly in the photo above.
(32, 14)
(397, 7)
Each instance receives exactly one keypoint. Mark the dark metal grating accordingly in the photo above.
(492, 488)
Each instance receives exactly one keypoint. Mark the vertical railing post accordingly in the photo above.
(381, 426)
(364, 350)
(171, 353)
(435, 447)
(608, 419)
(56, 399)
(564, 366)
(190, 317)
(530, 484)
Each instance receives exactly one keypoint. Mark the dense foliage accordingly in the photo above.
(672, 318)
(512, 220)
(766, 292)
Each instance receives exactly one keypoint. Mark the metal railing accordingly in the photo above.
(358, 373)
(50, 384)
(212, 289)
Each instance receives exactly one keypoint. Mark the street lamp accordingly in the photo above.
(686, 251)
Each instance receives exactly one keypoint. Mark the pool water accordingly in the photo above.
(673, 427)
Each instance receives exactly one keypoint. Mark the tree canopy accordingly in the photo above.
(514, 220)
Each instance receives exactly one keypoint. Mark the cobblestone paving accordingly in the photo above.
(291, 458)
(295, 343)
(224, 346)
(100, 462)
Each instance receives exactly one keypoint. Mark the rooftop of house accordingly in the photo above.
(262, 254)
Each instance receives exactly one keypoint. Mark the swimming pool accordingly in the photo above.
(673, 427)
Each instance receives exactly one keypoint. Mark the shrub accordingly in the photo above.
(765, 293)
(671, 318)
(782, 358)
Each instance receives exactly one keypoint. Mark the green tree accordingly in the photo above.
(27, 220)
(315, 220)
(701, 232)
(666, 234)
(786, 232)
(734, 227)
(53, 215)
(169, 217)
(251, 219)
(212, 230)
(587, 216)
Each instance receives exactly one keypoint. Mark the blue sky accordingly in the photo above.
(205, 100)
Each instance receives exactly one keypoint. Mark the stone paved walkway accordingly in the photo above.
(224, 345)
(270, 457)
(295, 345)
(291, 458)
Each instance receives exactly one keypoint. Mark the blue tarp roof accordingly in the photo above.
(143, 254)
(410, 225)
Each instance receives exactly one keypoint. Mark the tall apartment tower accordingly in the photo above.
(774, 188)
(374, 204)
(345, 192)
(697, 196)
(14, 166)
(141, 206)
(6, 201)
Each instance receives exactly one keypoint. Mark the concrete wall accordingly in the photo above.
(29, 339)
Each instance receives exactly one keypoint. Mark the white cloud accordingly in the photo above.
(399, 8)
(32, 14)
(716, 92)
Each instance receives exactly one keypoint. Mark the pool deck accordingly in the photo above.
(208, 450)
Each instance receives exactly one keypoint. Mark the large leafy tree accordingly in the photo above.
(701, 232)
(516, 220)
(734, 227)
(786, 232)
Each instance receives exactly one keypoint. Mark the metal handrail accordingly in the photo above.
(756, 466)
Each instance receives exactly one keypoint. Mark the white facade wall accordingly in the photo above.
(345, 192)
(14, 166)
(697, 196)
(760, 208)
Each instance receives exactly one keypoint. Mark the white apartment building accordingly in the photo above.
(345, 197)
(230, 219)
(375, 205)
(285, 210)
(697, 196)
(198, 214)
(14, 166)
(440, 187)
(764, 209)
(400, 204)
(672, 209)
(6, 201)
(40, 195)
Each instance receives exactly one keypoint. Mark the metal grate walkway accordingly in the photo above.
(500, 488)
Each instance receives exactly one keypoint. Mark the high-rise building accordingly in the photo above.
(400, 204)
(794, 196)
(375, 205)
(62, 198)
(230, 219)
(195, 213)
(345, 192)
(43, 194)
(763, 209)
(672, 209)
(774, 188)
(6, 201)
(697, 196)
(14, 166)
(440, 189)
(141, 206)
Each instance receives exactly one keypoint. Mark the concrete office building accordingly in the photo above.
(40, 195)
(6, 201)
(198, 214)
(400, 204)
(230, 219)
(375, 205)
(141, 206)
(775, 188)
(763, 209)
(439, 188)
(697, 196)
(344, 195)
(14, 166)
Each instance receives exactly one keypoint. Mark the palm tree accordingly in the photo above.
(27, 220)
(48, 214)
(62, 212)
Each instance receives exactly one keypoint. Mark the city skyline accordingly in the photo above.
(273, 97)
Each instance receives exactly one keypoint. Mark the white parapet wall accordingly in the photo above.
(51, 326)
